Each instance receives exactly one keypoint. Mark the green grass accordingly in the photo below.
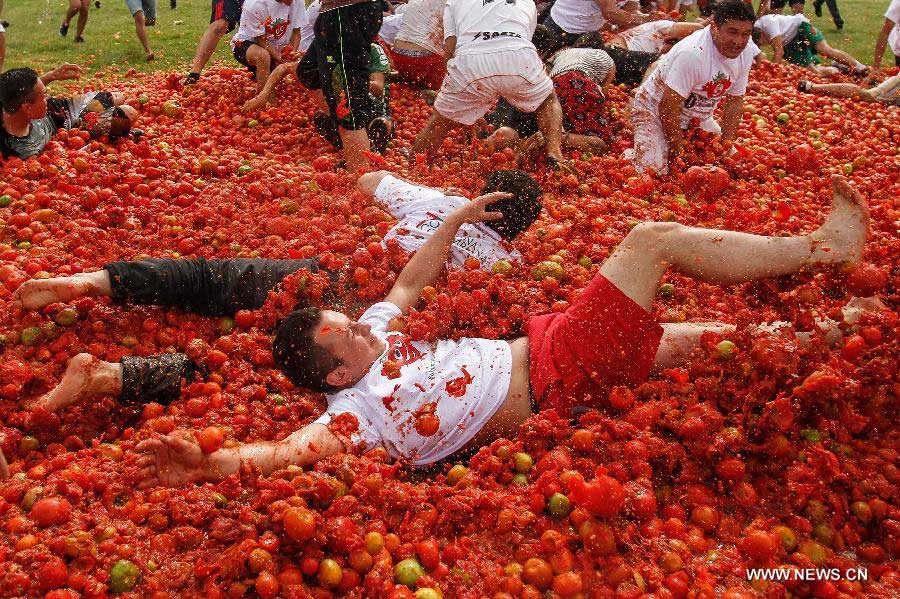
(33, 37)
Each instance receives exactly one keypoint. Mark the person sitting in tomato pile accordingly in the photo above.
(380, 127)
(31, 118)
(491, 56)
(705, 69)
(223, 287)
(425, 402)
(794, 39)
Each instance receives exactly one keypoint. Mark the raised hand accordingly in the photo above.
(476, 210)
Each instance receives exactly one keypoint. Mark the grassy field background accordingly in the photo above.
(33, 38)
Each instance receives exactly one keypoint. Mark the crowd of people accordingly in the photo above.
(520, 78)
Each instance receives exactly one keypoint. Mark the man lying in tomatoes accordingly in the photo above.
(222, 287)
(425, 402)
(31, 119)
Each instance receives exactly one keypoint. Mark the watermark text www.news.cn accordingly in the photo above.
(807, 574)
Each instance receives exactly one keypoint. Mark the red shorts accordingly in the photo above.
(427, 70)
(602, 340)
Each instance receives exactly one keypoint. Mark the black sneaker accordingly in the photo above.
(64, 30)
(192, 79)
(327, 128)
(173, 4)
(5, 24)
(804, 85)
(97, 3)
(150, 22)
(79, 39)
(379, 131)
(818, 8)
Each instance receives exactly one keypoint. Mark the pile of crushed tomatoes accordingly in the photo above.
(759, 454)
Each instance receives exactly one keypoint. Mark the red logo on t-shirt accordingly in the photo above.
(401, 350)
(276, 28)
(718, 86)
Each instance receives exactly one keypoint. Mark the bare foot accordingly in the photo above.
(84, 375)
(843, 234)
(37, 293)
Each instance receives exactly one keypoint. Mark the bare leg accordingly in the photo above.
(260, 100)
(140, 27)
(74, 7)
(356, 145)
(729, 257)
(208, 43)
(549, 116)
(823, 49)
(433, 134)
(37, 293)
(85, 375)
(261, 60)
(841, 90)
(82, 20)
(585, 143)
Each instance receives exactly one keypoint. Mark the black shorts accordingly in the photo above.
(777, 5)
(240, 54)
(343, 42)
(226, 10)
(505, 115)
(308, 68)
(561, 37)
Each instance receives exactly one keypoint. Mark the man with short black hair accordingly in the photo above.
(30, 118)
(707, 68)
(424, 402)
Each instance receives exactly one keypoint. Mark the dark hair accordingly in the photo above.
(518, 211)
(545, 42)
(300, 358)
(16, 87)
(733, 9)
(756, 35)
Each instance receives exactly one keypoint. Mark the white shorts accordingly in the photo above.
(888, 92)
(651, 150)
(474, 82)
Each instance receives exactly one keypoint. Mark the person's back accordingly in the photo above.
(485, 26)
(649, 37)
(577, 16)
(423, 25)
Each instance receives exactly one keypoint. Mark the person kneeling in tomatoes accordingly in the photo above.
(424, 402)
(31, 119)
(222, 287)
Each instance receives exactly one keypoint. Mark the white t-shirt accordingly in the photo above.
(483, 26)
(309, 21)
(577, 16)
(265, 17)
(423, 24)
(647, 37)
(695, 70)
(420, 211)
(893, 13)
(783, 26)
(391, 24)
(464, 382)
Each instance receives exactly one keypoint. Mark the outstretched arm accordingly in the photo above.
(61, 73)
(425, 265)
(622, 18)
(172, 461)
(731, 116)
(881, 43)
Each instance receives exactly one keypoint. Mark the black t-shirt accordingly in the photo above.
(41, 132)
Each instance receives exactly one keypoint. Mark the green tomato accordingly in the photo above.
(522, 462)
(244, 169)
(548, 268)
(585, 262)
(811, 435)
(725, 349)
(862, 511)
(783, 117)
(30, 335)
(220, 500)
(144, 99)
(428, 593)
(519, 479)
(667, 289)
(123, 576)
(66, 317)
(501, 267)
(408, 572)
(558, 505)
(226, 325)
(276, 398)
(5, 201)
